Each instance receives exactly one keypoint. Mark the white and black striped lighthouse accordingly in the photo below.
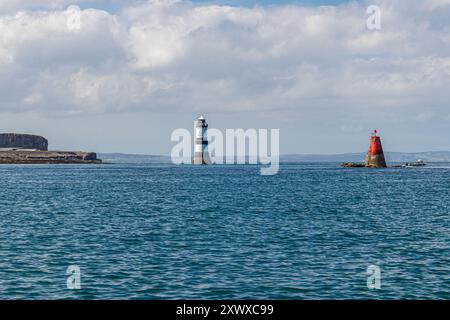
(201, 155)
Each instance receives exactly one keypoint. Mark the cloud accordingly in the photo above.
(178, 56)
(16, 5)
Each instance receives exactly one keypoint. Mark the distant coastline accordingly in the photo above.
(392, 157)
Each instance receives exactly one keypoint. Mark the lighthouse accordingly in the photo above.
(201, 155)
(375, 155)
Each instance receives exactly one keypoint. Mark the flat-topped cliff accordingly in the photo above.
(23, 141)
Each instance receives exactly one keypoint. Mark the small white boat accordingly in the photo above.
(418, 163)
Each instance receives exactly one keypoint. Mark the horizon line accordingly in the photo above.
(285, 154)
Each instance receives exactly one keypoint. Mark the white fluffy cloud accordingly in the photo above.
(178, 56)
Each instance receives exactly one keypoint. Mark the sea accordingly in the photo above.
(161, 231)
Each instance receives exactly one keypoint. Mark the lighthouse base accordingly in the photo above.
(201, 158)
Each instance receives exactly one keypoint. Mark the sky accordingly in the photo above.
(120, 76)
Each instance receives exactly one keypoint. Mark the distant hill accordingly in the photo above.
(400, 157)
(432, 156)
(132, 158)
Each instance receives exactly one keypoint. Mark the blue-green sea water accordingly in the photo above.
(160, 231)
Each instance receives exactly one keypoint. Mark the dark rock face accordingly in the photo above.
(23, 141)
(89, 156)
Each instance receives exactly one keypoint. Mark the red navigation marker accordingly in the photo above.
(375, 155)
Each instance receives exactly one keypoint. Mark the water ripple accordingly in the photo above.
(223, 232)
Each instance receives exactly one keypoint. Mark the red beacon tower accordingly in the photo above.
(375, 155)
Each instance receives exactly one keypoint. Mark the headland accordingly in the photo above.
(31, 149)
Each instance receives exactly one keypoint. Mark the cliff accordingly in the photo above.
(23, 141)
